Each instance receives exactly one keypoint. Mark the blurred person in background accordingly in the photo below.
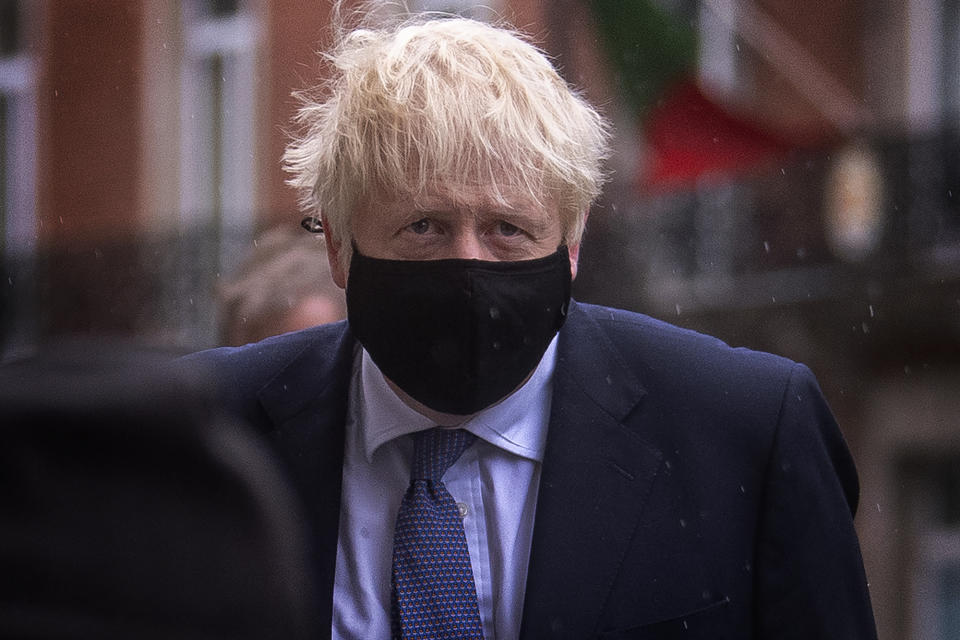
(483, 456)
(131, 506)
(284, 285)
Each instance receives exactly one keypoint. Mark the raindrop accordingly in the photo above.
(494, 313)
(677, 306)
(878, 508)
(783, 171)
(496, 345)
(683, 523)
(871, 310)
(609, 380)
(766, 246)
(865, 327)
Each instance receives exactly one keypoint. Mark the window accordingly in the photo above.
(932, 181)
(719, 57)
(218, 132)
(17, 135)
(932, 486)
(933, 50)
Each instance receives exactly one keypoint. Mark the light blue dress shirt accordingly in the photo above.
(494, 482)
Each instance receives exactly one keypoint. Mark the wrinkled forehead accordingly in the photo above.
(493, 162)
(499, 195)
(474, 197)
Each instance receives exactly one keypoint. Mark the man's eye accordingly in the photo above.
(507, 229)
(420, 226)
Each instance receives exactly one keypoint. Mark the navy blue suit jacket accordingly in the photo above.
(689, 489)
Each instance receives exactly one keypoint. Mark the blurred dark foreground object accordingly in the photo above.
(130, 509)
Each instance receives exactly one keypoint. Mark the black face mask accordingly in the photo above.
(457, 335)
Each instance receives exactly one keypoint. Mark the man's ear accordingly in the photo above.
(334, 247)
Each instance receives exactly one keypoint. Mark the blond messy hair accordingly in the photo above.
(429, 101)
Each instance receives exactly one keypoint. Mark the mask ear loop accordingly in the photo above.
(312, 224)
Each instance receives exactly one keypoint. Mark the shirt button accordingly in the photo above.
(462, 508)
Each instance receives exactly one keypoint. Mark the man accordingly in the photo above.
(619, 477)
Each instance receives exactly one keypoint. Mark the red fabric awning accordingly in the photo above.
(689, 136)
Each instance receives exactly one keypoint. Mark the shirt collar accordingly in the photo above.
(517, 424)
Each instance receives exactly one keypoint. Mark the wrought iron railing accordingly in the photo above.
(778, 236)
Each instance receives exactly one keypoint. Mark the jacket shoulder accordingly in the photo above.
(239, 373)
(654, 345)
(683, 372)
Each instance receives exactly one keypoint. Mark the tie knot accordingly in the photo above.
(435, 450)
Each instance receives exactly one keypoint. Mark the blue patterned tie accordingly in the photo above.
(432, 590)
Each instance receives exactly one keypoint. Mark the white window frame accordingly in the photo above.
(718, 64)
(18, 85)
(925, 59)
(229, 203)
(937, 549)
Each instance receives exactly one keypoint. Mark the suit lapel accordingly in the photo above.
(596, 476)
(307, 404)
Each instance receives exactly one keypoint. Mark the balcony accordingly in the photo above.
(776, 238)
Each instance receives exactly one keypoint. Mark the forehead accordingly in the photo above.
(463, 198)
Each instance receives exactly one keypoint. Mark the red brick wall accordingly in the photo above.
(832, 34)
(89, 120)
